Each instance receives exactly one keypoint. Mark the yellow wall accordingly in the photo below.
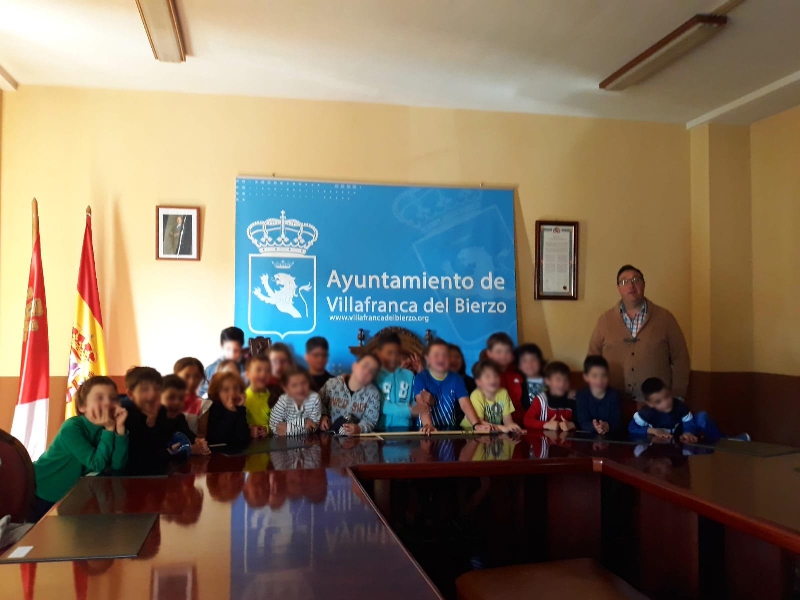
(775, 169)
(731, 249)
(722, 257)
(701, 248)
(126, 152)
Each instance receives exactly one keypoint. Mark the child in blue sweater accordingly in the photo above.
(664, 417)
(598, 406)
(395, 385)
(441, 396)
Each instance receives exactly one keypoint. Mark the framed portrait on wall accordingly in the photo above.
(556, 260)
(177, 233)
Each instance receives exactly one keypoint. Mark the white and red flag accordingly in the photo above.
(30, 415)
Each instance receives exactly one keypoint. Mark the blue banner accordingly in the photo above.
(326, 259)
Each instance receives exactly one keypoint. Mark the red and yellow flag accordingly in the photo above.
(87, 355)
(30, 415)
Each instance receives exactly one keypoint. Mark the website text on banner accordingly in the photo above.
(315, 258)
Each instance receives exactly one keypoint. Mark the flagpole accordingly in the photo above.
(35, 211)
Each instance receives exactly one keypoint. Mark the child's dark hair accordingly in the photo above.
(529, 349)
(651, 386)
(556, 368)
(500, 337)
(317, 342)
(594, 360)
(189, 361)
(294, 372)
(456, 348)
(256, 358)
(219, 379)
(390, 337)
(231, 334)
(138, 375)
(86, 387)
(436, 342)
(173, 382)
(483, 365)
(369, 355)
(284, 348)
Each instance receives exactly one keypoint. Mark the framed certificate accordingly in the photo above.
(556, 260)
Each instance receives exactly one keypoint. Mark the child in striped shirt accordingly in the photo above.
(298, 410)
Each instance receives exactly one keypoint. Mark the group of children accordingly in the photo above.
(269, 394)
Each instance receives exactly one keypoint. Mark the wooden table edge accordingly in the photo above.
(392, 533)
(762, 529)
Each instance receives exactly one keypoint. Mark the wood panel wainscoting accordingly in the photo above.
(762, 404)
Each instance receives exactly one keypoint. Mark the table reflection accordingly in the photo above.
(288, 526)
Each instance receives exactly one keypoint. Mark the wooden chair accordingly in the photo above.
(580, 578)
(18, 479)
(410, 342)
(259, 345)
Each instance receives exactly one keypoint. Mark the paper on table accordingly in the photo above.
(20, 551)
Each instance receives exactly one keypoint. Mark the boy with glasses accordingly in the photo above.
(317, 351)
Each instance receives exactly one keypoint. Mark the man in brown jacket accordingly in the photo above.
(640, 340)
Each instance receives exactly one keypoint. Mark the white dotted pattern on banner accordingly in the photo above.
(261, 189)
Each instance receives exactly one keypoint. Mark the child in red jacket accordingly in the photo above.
(500, 349)
(553, 409)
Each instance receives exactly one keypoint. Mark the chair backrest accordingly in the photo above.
(19, 481)
(259, 345)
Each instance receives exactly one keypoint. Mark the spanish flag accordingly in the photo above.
(30, 415)
(87, 354)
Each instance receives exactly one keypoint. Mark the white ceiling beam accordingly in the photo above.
(7, 82)
(748, 99)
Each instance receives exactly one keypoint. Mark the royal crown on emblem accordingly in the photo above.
(282, 264)
(282, 235)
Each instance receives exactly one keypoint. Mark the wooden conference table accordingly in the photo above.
(312, 519)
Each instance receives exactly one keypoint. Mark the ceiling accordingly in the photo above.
(535, 56)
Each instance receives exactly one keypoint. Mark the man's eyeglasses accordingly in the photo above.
(631, 281)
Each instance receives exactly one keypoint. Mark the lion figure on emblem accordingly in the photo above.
(283, 297)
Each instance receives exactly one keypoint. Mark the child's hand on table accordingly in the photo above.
(688, 438)
(351, 429)
(200, 447)
(660, 433)
(551, 425)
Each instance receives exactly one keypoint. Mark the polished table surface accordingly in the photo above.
(277, 534)
(297, 522)
(757, 495)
